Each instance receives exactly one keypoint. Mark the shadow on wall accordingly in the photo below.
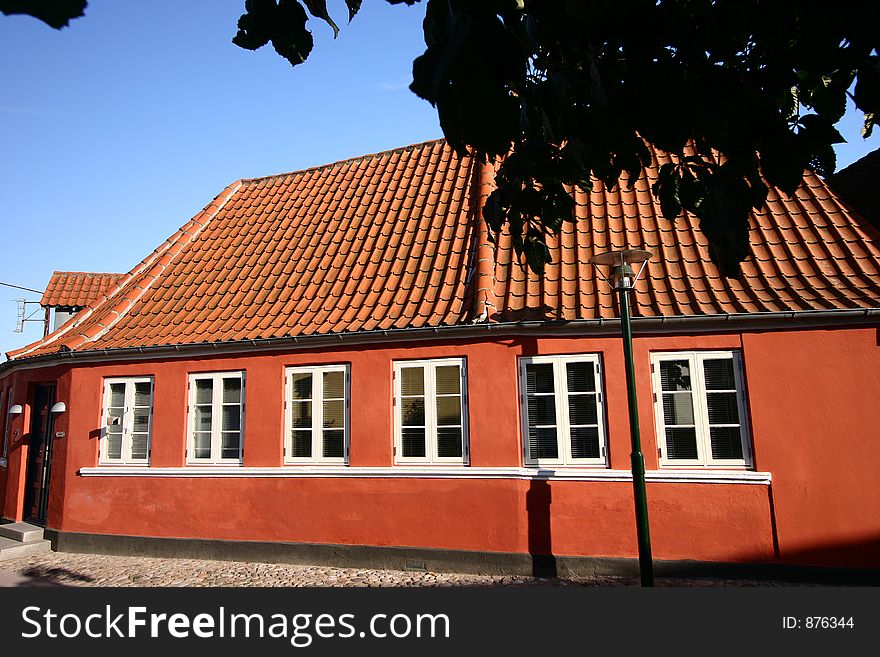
(538, 500)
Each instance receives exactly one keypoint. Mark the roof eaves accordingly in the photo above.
(722, 322)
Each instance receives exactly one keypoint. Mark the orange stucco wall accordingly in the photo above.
(813, 424)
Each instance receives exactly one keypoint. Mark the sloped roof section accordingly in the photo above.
(808, 252)
(375, 242)
(395, 241)
(77, 288)
(859, 186)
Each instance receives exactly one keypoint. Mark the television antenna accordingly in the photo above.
(24, 317)
(23, 304)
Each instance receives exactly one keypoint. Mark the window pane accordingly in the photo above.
(448, 410)
(204, 391)
(412, 412)
(301, 414)
(582, 409)
(334, 443)
(678, 409)
(585, 442)
(232, 391)
(301, 385)
(334, 414)
(231, 418)
(114, 442)
(413, 441)
(448, 380)
(681, 443)
(202, 445)
(539, 378)
(302, 443)
(675, 375)
(141, 422)
(412, 381)
(722, 408)
(203, 418)
(334, 385)
(719, 374)
(542, 443)
(726, 443)
(581, 377)
(542, 410)
(139, 443)
(143, 394)
(230, 444)
(117, 394)
(449, 442)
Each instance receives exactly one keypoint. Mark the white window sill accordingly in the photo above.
(435, 472)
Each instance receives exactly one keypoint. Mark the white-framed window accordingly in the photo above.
(316, 414)
(430, 411)
(126, 420)
(216, 418)
(563, 418)
(699, 405)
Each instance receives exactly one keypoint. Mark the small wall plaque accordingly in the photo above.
(60, 434)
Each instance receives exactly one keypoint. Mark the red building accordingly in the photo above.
(335, 365)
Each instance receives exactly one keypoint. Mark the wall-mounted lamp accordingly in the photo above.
(15, 409)
(58, 407)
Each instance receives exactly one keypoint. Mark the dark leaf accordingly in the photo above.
(828, 98)
(665, 190)
(282, 23)
(782, 161)
(318, 9)
(866, 93)
(353, 8)
(252, 33)
(290, 38)
(54, 13)
(724, 220)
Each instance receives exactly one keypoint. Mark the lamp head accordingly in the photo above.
(621, 263)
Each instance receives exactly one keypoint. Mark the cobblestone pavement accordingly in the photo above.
(67, 569)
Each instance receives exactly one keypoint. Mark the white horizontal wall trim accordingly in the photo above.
(410, 472)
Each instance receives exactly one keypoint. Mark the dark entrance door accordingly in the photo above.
(39, 465)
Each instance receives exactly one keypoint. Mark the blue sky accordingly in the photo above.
(118, 129)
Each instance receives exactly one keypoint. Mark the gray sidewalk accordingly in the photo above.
(68, 569)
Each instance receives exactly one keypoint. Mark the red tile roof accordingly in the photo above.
(394, 241)
(77, 288)
(809, 252)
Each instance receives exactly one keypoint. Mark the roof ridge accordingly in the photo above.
(89, 273)
(348, 160)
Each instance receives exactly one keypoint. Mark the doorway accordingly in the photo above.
(39, 460)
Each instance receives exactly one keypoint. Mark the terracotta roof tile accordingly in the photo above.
(394, 241)
(77, 288)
